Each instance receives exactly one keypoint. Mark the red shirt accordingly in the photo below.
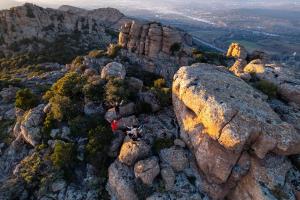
(114, 125)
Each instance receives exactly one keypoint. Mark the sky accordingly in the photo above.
(159, 5)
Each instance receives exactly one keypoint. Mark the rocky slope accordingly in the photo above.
(29, 27)
(217, 133)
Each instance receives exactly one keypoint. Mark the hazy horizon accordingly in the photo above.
(159, 5)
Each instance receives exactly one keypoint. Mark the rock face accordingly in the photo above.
(157, 48)
(30, 22)
(220, 117)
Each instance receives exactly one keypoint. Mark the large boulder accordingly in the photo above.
(113, 70)
(120, 182)
(132, 151)
(29, 127)
(221, 116)
(238, 51)
(147, 170)
(255, 66)
(8, 94)
(124, 111)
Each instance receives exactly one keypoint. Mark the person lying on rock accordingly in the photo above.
(134, 133)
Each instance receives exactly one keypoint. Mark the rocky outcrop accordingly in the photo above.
(221, 117)
(38, 25)
(155, 47)
(284, 78)
(110, 17)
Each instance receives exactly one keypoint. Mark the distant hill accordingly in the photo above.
(6, 4)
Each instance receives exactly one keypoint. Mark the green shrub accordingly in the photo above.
(25, 99)
(117, 90)
(63, 156)
(30, 168)
(82, 124)
(97, 53)
(5, 126)
(143, 107)
(162, 143)
(70, 85)
(164, 96)
(113, 50)
(78, 61)
(48, 125)
(94, 91)
(63, 108)
(160, 83)
(147, 77)
(175, 48)
(267, 87)
(99, 141)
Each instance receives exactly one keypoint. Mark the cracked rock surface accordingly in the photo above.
(221, 117)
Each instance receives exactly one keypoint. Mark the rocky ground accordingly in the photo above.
(208, 131)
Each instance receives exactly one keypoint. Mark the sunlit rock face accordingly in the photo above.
(221, 118)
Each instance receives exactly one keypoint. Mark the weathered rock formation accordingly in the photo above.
(221, 119)
(156, 47)
(30, 27)
(29, 127)
(285, 78)
(237, 51)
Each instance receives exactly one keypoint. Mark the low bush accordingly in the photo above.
(30, 168)
(162, 92)
(97, 53)
(81, 125)
(63, 156)
(25, 99)
(63, 108)
(48, 125)
(117, 90)
(147, 77)
(99, 141)
(113, 50)
(162, 143)
(159, 83)
(175, 48)
(70, 85)
(266, 87)
(94, 91)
